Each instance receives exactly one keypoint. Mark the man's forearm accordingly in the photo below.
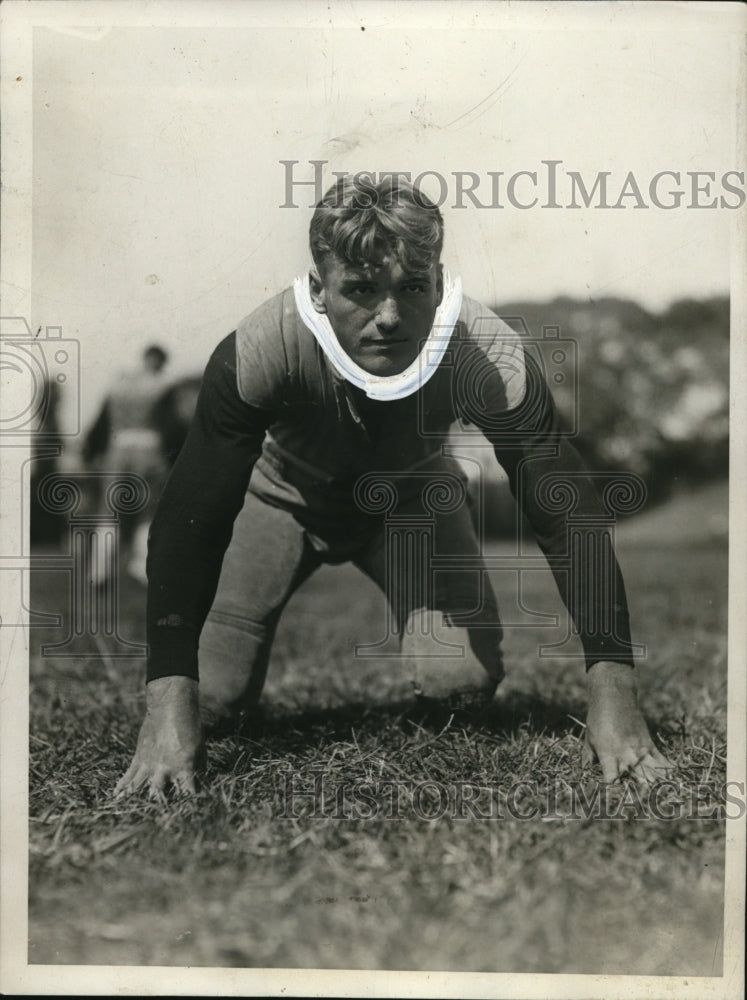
(188, 540)
(577, 544)
(194, 520)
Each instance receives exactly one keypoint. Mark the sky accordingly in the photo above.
(157, 180)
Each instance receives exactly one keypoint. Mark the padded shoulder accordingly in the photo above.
(262, 368)
(485, 330)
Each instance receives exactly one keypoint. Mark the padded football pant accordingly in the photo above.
(441, 603)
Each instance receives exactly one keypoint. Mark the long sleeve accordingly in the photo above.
(194, 521)
(557, 495)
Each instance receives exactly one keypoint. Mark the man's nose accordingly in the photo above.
(387, 318)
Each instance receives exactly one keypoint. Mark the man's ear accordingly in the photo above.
(316, 289)
(440, 283)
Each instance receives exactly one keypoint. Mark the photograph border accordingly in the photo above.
(17, 20)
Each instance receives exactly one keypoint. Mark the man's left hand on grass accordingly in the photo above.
(616, 732)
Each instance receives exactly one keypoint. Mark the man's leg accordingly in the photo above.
(447, 615)
(268, 558)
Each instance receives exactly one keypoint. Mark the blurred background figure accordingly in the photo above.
(124, 438)
(47, 452)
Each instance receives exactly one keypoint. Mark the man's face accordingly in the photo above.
(380, 313)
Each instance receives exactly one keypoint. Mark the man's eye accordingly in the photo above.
(416, 286)
(362, 289)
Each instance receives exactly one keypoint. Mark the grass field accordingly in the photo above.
(225, 880)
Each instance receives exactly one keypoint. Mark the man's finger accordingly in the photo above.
(662, 762)
(122, 786)
(651, 769)
(630, 758)
(610, 764)
(185, 783)
(132, 780)
(644, 763)
(157, 784)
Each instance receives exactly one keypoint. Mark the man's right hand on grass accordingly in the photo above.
(170, 747)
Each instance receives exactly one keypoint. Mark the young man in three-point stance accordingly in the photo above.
(325, 410)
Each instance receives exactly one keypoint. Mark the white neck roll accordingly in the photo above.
(384, 387)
